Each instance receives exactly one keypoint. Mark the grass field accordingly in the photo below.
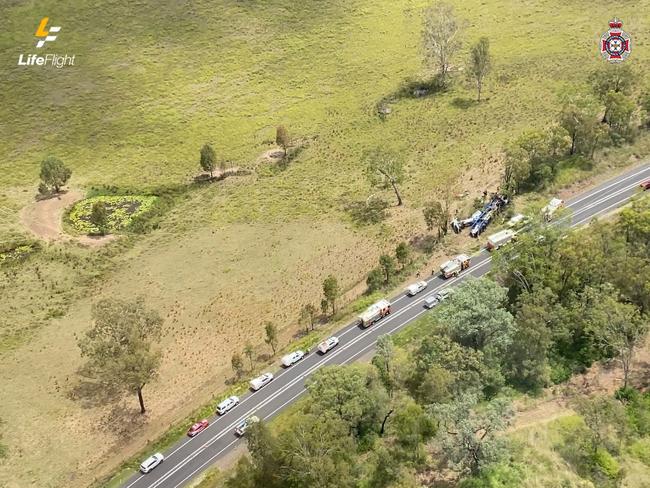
(153, 81)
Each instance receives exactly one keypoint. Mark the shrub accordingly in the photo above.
(641, 450)
(606, 463)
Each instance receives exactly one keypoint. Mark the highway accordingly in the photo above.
(189, 457)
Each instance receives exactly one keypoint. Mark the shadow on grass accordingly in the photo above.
(464, 103)
(410, 88)
(91, 394)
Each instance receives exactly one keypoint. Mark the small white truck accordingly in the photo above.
(374, 312)
(551, 208)
(328, 344)
(495, 241)
(454, 266)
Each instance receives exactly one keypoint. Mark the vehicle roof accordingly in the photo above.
(501, 233)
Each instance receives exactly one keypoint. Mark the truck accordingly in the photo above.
(374, 312)
(495, 241)
(551, 208)
(260, 381)
(454, 266)
(328, 344)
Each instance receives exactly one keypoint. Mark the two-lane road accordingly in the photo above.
(190, 457)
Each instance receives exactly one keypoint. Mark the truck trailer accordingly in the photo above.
(495, 241)
(374, 312)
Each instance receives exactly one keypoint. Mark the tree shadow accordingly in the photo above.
(464, 103)
(92, 394)
(124, 420)
(50, 195)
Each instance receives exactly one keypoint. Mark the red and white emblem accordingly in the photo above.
(615, 44)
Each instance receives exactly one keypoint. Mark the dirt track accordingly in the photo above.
(43, 219)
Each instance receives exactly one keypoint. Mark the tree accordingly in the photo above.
(375, 280)
(282, 138)
(517, 167)
(475, 315)
(237, 364)
(469, 436)
(620, 109)
(271, 338)
(54, 174)
(617, 78)
(603, 416)
(99, 217)
(308, 315)
(331, 291)
(441, 37)
(119, 345)
(265, 455)
(387, 265)
(384, 362)
(318, 451)
(411, 427)
(385, 169)
(324, 305)
(436, 218)
(208, 160)
(616, 327)
(350, 394)
(578, 119)
(527, 356)
(442, 369)
(249, 352)
(480, 63)
(402, 253)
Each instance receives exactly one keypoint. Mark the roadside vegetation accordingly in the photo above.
(435, 407)
(403, 117)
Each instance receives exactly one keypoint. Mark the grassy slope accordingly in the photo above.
(152, 84)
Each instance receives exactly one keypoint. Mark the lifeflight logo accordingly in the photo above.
(45, 34)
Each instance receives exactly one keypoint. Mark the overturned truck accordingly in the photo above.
(481, 218)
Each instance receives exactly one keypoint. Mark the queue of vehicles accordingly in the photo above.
(374, 313)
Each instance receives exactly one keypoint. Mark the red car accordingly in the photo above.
(646, 185)
(198, 427)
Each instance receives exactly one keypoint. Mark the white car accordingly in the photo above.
(151, 462)
(227, 404)
(328, 344)
(243, 426)
(260, 381)
(416, 288)
(292, 358)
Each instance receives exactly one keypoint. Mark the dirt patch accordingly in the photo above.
(43, 219)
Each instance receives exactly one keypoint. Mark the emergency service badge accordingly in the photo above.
(615, 44)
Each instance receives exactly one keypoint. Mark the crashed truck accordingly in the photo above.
(454, 266)
(374, 312)
(481, 218)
